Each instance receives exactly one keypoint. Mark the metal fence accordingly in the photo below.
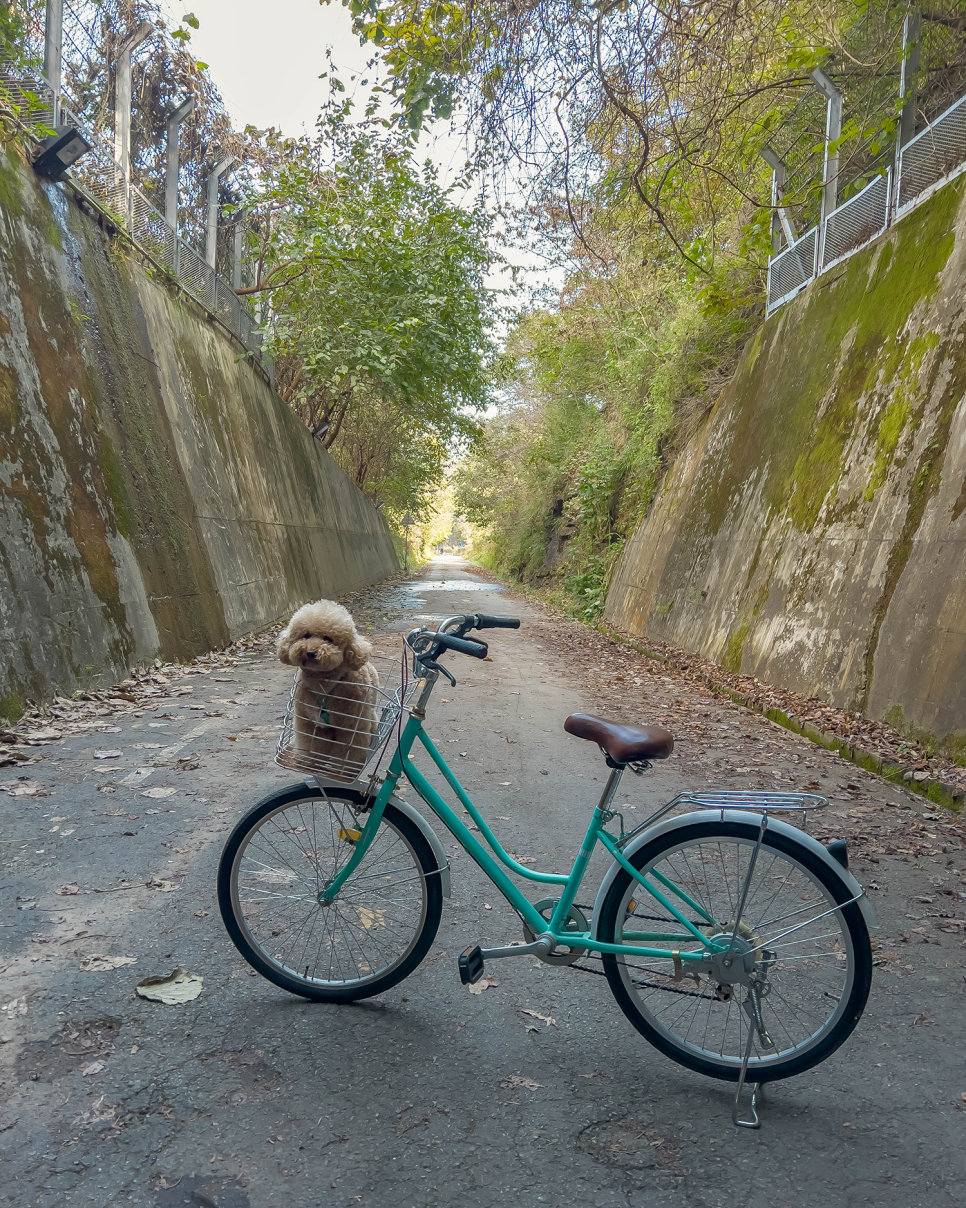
(856, 221)
(792, 269)
(933, 157)
(99, 176)
(936, 153)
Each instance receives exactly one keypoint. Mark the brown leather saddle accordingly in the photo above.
(624, 744)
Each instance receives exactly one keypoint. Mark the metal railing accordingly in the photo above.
(852, 224)
(792, 269)
(933, 156)
(99, 176)
(931, 159)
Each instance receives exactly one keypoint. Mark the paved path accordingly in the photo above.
(249, 1098)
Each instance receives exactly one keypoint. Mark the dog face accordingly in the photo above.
(321, 637)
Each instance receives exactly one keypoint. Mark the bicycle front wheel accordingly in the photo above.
(815, 960)
(285, 851)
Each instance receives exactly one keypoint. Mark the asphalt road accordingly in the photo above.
(249, 1098)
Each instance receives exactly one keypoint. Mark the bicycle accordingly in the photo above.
(754, 936)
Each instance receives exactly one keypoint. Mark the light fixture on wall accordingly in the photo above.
(320, 429)
(60, 151)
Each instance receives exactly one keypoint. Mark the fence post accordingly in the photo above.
(830, 177)
(173, 161)
(122, 110)
(911, 38)
(54, 53)
(236, 260)
(778, 173)
(211, 244)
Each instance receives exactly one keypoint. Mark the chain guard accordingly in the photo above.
(576, 921)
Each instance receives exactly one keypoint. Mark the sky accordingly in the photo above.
(266, 60)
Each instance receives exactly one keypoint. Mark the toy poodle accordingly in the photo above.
(335, 719)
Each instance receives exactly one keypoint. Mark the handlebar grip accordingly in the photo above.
(487, 622)
(477, 650)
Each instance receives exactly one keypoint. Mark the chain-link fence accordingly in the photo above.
(933, 157)
(86, 103)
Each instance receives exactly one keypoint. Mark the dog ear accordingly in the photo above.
(284, 640)
(356, 654)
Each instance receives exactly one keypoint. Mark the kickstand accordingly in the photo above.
(757, 1089)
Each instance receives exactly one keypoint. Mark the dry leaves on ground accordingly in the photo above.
(485, 983)
(179, 986)
(516, 1080)
(67, 891)
(98, 963)
(94, 1067)
(23, 788)
(161, 885)
(547, 1019)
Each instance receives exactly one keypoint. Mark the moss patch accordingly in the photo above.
(734, 651)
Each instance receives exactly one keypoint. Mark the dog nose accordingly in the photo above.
(310, 654)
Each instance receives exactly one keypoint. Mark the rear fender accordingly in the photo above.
(775, 826)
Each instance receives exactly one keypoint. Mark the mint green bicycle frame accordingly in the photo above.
(401, 764)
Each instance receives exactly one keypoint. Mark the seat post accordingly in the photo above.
(610, 788)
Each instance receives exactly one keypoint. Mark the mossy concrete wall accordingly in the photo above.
(156, 496)
(813, 533)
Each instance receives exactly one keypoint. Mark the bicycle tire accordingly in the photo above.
(357, 918)
(690, 846)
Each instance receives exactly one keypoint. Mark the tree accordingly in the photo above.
(379, 317)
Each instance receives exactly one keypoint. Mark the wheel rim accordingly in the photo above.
(367, 932)
(809, 981)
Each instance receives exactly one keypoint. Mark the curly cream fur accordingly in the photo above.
(335, 721)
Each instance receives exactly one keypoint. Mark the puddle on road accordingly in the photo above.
(384, 608)
(458, 585)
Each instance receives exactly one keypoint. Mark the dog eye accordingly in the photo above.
(308, 635)
(329, 640)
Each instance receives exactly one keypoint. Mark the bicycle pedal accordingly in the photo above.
(471, 965)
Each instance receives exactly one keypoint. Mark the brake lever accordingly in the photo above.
(434, 666)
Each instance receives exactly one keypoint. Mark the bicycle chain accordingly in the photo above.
(636, 981)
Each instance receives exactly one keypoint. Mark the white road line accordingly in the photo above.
(139, 775)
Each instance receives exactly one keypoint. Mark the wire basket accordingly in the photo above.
(338, 733)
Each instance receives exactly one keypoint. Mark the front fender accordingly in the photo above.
(774, 824)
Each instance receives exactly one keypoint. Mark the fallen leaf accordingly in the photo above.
(161, 885)
(16, 1006)
(485, 983)
(518, 1080)
(98, 963)
(108, 754)
(134, 1049)
(159, 792)
(67, 891)
(22, 788)
(147, 746)
(95, 1067)
(547, 1019)
(179, 986)
(201, 914)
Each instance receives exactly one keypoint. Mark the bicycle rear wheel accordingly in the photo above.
(374, 934)
(816, 960)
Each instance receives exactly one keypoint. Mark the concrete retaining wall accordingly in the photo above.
(813, 533)
(156, 496)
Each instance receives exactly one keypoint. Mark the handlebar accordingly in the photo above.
(428, 646)
(477, 650)
(483, 621)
